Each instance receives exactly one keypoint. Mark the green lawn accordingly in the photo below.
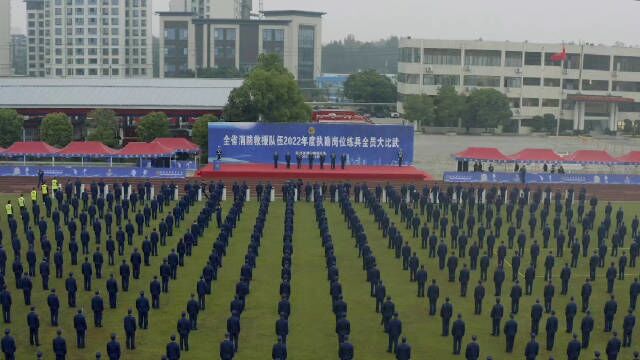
(312, 322)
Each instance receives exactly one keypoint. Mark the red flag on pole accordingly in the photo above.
(559, 56)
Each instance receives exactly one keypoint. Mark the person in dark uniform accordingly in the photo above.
(33, 322)
(113, 348)
(345, 350)
(112, 290)
(322, 158)
(299, 160)
(59, 346)
(510, 331)
(173, 350)
(275, 160)
(343, 160)
(573, 348)
(394, 332)
(8, 345)
(551, 328)
(446, 312)
(142, 305)
(130, 328)
(613, 347)
(472, 351)
(193, 308)
(610, 310)
(628, 324)
(97, 306)
(80, 324)
(403, 351)
(279, 351)
(184, 328)
(387, 310)
(570, 312)
(287, 158)
(219, 153)
(457, 332)
(400, 157)
(586, 327)
(227, 351)
(478, 296)
(497, 312)
(536, 315)
(532, 349)
(311, 157)
(333, 161)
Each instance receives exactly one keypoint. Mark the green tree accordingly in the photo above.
(105, 127)
(56, 130)
(449, 106)
(10, 127)
(224, 72)
(370, 87)
(153, 125)
(200, 132)
(486, 108)
(270, 93)
(419, 108)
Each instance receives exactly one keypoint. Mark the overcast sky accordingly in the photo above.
(598, 21)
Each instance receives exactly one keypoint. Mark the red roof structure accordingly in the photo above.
(30, 148)
(482, 153)
(86, 149)
(590, 157)
(536, 156)
(143, 149)
(633, 157)
(178, 144)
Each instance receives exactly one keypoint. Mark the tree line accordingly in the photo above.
(482, 108)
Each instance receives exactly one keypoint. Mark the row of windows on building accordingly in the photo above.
(135, 3)
(518, 82)
(517, 59)
(96, 72)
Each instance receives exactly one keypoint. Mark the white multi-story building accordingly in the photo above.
(189, 42)
(5, 38)
(109, 38)
(596, 87)
(219, 9)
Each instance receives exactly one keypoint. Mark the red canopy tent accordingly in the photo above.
(144, 150)
(30, 148)
(590, 157)
(483, 154)
(86, 149)
(633, 157)
(536, 156)
(178, 145)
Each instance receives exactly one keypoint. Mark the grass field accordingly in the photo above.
(312, 322)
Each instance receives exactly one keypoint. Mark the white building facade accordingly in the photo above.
(89, 38)
(5, 38)
(597, 87)
(189, 42)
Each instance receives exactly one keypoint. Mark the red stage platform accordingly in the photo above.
(355, 173)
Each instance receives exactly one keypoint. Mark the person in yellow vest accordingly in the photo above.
(9, 209)
(21, 202)
(34, 195)
(45, 190)
(54, 185)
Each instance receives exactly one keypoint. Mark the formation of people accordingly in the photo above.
(459, 229)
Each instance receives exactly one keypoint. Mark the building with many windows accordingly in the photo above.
(5, 38)
(95, 38)
(219, 9)
(19, 54)
(189, 42)
(597, 87)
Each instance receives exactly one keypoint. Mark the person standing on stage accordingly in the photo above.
(323, 157)
(275, 160)
(343, 160)
(400, 157)
(287, 158)
(299, 160)
(311, 158)
(219, 153)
